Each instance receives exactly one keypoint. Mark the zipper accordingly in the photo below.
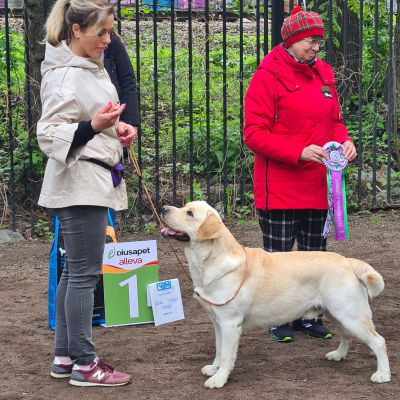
(266, 184)
(276, 95)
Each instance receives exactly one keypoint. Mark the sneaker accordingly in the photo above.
(60, 369)
(314, 330)
(99, 374)
(282, 333)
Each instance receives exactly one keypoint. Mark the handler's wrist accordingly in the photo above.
(94, 127)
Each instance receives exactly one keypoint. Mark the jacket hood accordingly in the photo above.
(61, 57)
(279, 63)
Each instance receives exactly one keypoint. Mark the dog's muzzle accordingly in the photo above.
(168, 233)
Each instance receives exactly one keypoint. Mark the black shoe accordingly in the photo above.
(282, 333)
(313, 329)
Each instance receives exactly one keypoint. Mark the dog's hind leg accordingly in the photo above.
(230, 336)
(361, 326)
(210, 370)
(345, 339)
(365, 331)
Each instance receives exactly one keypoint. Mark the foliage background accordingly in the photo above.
(239, 160)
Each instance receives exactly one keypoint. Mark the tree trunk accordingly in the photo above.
(347, 70)
(396, 57)
(34, 34)
(396, 85)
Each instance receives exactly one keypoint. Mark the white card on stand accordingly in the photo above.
(165, 299)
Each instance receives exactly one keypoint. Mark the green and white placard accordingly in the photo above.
(128, 268)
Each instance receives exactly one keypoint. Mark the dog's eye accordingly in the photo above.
(189, 213)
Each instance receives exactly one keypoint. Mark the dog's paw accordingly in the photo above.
(380, 377)
(215, 382)
(335, 356)
(209, 370)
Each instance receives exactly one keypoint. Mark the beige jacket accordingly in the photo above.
(73, 89)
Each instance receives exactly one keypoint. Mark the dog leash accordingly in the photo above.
(136, 165)
(132, 155)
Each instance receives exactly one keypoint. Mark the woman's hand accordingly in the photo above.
(313, 153)
(127, 133)
(106, 116)
(349, 150)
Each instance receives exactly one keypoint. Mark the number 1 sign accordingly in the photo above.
(128, 268)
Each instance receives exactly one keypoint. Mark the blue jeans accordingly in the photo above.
(84, 232)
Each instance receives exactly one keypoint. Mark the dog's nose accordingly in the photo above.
(165, 210)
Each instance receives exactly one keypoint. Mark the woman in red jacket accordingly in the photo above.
(291, 111)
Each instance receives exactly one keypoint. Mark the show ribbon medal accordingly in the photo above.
(337, 213)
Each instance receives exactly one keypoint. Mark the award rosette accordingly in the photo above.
(337, 212)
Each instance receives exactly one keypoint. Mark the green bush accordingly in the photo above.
(234, 164)
(199, 116)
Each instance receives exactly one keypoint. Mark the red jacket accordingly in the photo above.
(286, 110)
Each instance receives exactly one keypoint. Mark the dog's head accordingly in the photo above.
(197, 221)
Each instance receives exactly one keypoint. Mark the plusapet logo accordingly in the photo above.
(131, 252)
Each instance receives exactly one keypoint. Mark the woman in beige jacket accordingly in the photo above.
(81, 134)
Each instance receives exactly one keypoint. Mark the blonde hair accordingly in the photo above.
(86, 13)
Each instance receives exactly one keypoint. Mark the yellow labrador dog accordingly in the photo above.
(274, 288)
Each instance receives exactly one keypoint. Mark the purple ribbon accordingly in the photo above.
(338, 206)
(337, 213)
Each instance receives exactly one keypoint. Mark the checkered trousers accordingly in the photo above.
(282, 227)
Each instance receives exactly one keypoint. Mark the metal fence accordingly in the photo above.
(193, 62)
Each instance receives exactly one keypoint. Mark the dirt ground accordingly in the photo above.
(165, 361)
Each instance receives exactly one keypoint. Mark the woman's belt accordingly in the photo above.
(101, 163)
(117, 172)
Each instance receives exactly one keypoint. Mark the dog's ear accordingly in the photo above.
(211, 228)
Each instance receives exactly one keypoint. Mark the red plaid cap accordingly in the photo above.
(301, 24)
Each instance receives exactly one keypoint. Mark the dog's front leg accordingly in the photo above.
(210, 370)
(230, 336)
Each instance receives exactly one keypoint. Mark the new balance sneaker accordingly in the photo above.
(282, 333)
(313, 329)
(98, 374)
(60, 369)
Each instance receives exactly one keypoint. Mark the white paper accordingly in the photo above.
(166, 301)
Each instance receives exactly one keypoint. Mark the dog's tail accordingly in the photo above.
(372, 280)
